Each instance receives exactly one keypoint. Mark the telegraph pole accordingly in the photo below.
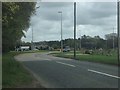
(118, 31)
(74, 30)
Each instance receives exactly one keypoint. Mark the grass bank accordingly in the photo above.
(92, 58)
(13, 73)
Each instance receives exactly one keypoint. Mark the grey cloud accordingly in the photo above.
(91, 13)
(49, 10)
(92, 19)
(55, 4)
(103, 9)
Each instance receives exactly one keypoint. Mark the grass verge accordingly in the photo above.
(13, 73)
(91, 58)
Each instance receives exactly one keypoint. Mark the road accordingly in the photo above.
(55, 72)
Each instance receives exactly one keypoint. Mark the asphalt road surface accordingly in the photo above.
(54, 72)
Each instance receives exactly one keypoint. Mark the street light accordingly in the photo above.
(61, 32)
(32, 43)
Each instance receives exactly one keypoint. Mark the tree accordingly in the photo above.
(111, 40)
(15, 19)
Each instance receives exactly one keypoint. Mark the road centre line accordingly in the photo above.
(90, 70)
(66, 64)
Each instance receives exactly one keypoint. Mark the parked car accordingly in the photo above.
(66, 49)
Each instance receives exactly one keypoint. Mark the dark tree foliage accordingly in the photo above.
(110, 39)
(15, 19)
(87, 42)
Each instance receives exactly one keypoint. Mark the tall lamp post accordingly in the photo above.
(61, 32)
(32, 43)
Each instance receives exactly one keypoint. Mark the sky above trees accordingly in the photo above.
(93, 18)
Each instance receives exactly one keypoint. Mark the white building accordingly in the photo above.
(23, 48)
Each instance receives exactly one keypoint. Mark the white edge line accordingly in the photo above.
(104, 73)
(65, 64)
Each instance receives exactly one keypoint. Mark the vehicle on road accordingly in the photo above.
(66, 49)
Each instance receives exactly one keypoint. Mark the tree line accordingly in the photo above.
(85, 42)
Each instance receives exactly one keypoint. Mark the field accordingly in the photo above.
(107, 59)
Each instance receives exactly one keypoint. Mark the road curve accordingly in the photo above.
(55, 72)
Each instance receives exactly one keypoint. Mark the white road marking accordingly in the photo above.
(104, 73)
(66, 64)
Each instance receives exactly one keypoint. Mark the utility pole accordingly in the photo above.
(74, 30)
(118, 31)
(61, 32)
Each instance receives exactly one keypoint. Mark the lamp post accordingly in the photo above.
(61, 32)
(32, 43)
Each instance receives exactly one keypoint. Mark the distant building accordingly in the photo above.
(23, 48)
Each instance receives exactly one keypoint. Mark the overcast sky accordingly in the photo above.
(93, 18)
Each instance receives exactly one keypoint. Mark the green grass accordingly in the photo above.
(37, 51)
(13, 73)
(92, 58)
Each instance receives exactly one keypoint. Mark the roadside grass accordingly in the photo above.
(91, 58)
(13, 72)
(34, 51)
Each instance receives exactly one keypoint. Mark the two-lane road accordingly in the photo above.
(54, 72)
